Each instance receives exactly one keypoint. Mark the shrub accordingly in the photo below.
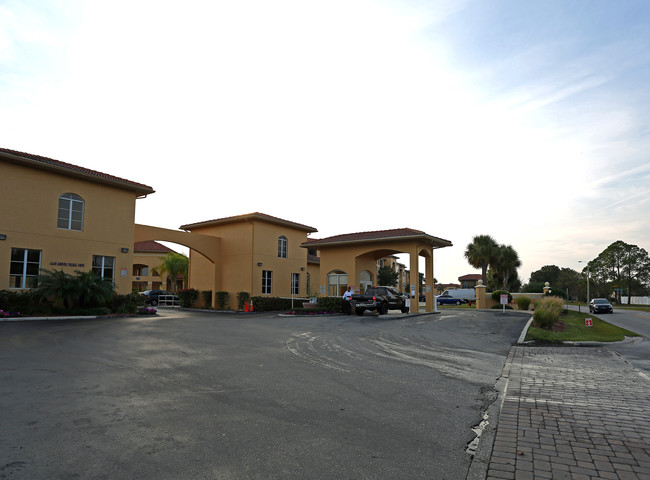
(547, 312)
(496, 296)
(130, 303)
(523, 302)
(242, 298)
(333, 304)
(188, 297)
(271, 304)
(222, 300)
(206, 295)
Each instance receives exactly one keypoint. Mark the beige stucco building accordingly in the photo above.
(60, 216)
(54, 215)
(258, 253)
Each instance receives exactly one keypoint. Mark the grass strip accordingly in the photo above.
(575, 330)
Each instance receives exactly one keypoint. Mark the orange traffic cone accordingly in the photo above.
(251, 309)
(246, 309)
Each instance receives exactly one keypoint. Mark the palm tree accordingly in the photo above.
(57, 287)
(481, 253)
(92, 290)
(174, 264)
(506, 264)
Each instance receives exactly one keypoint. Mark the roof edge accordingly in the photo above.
(262, 217)
(70, 170)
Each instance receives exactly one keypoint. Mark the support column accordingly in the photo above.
(415, 279)
(481, 295)
(428, 277)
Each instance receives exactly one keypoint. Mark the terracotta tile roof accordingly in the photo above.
(379, 235)
(249, 217)
(471, 276)
(151, 246)
(45, 163)
(313, 259)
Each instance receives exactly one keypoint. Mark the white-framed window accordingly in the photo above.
(104, 267)
(337, 283)
(282, 247)
(267, 282)
(71, 212)
(295, 284)
(24, 268)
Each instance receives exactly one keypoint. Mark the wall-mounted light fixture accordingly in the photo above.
(259, 264)
(3, 236)
(302, 269)
(124, 250)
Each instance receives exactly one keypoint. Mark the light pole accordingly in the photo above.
(583, 261)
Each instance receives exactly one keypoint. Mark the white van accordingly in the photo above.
(468, 294)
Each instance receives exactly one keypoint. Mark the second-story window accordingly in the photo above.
(71, 212)
(282, 247)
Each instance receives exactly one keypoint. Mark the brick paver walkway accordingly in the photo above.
(572, 412)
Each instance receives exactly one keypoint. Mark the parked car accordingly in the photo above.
(600, 305)
(449, 300)
(152, 297)
(466, 294)
(380, 299)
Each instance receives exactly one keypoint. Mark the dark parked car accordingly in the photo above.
(449, 300)
(600, 305)
(152, 297)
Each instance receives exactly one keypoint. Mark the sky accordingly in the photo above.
(525, 120)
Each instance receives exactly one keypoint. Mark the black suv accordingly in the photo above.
(151, 297)
(598, 305)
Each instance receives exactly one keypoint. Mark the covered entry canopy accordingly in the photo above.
(356, 255)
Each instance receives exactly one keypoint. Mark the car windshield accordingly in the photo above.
(600, 300)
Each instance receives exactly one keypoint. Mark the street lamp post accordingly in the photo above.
(583, 261)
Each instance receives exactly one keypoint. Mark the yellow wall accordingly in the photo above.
(244, 244)
(28, 217)
(148, 282)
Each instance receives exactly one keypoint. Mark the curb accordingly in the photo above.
(481, 460)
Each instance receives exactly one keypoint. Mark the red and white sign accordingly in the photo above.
(504, 299)
(589, 322)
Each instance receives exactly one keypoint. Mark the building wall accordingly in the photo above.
(243, 246)
(153, 280)
(29, 210)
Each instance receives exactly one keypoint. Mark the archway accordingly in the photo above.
(356, 253)
(365, 280)
(337, 283)
(206, 245)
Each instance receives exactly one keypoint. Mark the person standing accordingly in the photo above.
(347, 296)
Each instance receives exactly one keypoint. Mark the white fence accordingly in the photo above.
(636, 300)
(167, 301)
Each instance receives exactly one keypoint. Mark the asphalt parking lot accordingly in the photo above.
(231, 396)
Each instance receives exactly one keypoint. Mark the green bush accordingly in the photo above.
(523, 302)
(496, 296)
(242, 298)
(130, 303)
(188, 297)
(23, 303)
(223, 299)
(332, 304)
(273, 304)
(206, 295)
(557, 293)
(547, 312)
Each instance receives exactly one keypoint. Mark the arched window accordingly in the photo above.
(282, 247)
(71, 212)
(337, 283)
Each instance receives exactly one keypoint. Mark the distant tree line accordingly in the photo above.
(619, 270)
